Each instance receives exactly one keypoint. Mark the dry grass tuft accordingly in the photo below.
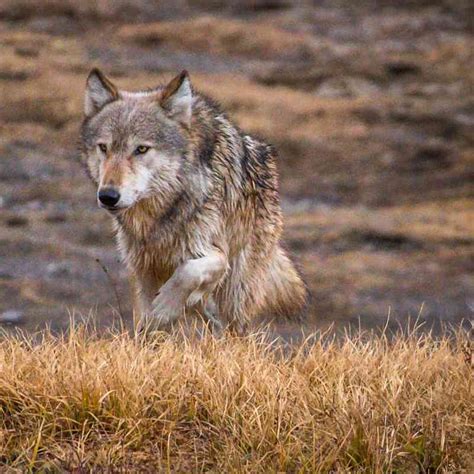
(84, 401)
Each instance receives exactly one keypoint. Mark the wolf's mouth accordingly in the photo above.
(112, 209)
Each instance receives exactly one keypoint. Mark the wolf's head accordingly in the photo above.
(134, 142)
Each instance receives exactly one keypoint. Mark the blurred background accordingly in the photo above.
(371, 107)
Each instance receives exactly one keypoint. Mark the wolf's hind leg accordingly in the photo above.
(189, 284)
(210, 312)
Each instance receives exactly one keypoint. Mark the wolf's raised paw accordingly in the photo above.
(167, 307)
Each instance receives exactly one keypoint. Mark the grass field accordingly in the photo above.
(169, 403)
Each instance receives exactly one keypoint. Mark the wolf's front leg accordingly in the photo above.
(192, 281)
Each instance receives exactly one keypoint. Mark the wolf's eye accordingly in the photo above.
(102, 147)
(141, 150)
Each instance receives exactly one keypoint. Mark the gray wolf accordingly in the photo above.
(195, 205)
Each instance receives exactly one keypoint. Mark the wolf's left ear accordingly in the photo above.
(99, 92)
(177, 99)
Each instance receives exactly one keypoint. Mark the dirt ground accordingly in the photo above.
(370, 105)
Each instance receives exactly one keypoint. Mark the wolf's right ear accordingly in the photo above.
(99, 92)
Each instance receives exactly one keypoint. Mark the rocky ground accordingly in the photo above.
(370, 104)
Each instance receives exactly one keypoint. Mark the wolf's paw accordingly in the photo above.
(166, 308)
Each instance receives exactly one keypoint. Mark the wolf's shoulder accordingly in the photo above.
(253, 150)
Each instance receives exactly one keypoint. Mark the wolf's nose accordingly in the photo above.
(108, 197)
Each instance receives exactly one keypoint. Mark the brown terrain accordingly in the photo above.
(370, 105)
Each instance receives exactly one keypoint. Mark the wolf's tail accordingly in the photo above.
(287, 295)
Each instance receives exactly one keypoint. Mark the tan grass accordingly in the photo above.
(222, 36)
(176, 404)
